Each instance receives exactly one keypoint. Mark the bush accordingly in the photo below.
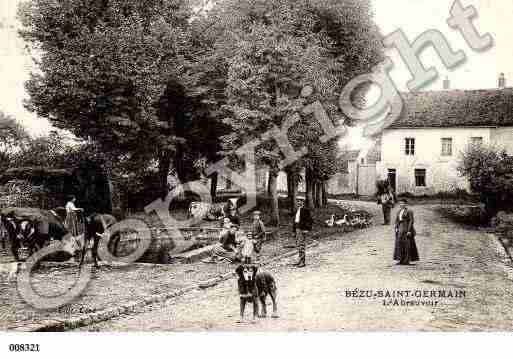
(503, 224)
(470, 215)
(489, 171)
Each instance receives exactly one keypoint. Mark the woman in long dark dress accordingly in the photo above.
(405, 249)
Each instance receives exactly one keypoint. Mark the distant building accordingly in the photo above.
(420, 150)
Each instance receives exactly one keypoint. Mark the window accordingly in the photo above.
(447, 146)
(476, 141)
(409, 144)
(420, 177)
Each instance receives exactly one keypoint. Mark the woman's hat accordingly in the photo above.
(404, 200)
(257, 212)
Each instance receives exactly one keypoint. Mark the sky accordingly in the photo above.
(414, 17)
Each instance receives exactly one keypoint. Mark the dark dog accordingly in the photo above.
(254, 287)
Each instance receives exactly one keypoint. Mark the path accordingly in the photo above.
(453, 258)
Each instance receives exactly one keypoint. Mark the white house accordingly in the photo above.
(421, 148)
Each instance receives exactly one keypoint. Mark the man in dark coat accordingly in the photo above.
(405, 249)
(386, 199)
(302, 225)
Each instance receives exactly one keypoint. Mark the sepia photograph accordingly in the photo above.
(255, 166)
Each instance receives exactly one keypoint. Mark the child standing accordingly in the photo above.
(257, 231)
(247, 247)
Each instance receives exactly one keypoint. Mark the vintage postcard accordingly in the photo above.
(255, 165)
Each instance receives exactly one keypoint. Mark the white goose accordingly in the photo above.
(342, 221)
(331, 222)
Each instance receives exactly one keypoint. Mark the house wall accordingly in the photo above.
(441, 171)
(263, 177)
(503, 137)
(340, 183)
(344, 183)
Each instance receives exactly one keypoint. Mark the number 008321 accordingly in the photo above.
(24, 347)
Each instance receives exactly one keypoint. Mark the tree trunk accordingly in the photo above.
(309, 189)
(325, 193)
(314, 194)
(318, 197)
(164, 166)
(292, 190)
(213, 186)
(269, 183)
(273, 188)
(179, 165)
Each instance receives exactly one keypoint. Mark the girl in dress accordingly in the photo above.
(247, 244)
(71, 221)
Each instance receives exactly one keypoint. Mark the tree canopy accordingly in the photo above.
(110, 70)
(272, 49)
(152, 80)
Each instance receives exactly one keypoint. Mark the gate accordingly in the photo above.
(366, 180)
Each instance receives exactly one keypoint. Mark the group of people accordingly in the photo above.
(237, 245)
(405, 248)
(243, 246)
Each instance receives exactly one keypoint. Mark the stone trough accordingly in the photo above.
(164, 249)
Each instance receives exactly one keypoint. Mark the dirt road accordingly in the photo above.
(459, 284)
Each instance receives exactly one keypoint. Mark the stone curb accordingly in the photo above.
(132, 306)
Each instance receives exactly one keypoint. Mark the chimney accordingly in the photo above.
(447, 83)
(502, 81)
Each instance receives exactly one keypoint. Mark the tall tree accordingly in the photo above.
(274, 48)
(110, 70)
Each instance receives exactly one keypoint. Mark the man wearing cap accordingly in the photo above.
(405, 249)
(302, 225)
(257, 230)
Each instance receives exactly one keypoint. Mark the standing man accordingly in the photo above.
(387, 202)
(302, 225)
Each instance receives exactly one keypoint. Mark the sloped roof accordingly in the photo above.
(456, 108)
(344, 158)
(350, 155)
(374, 154)
(33, 173)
